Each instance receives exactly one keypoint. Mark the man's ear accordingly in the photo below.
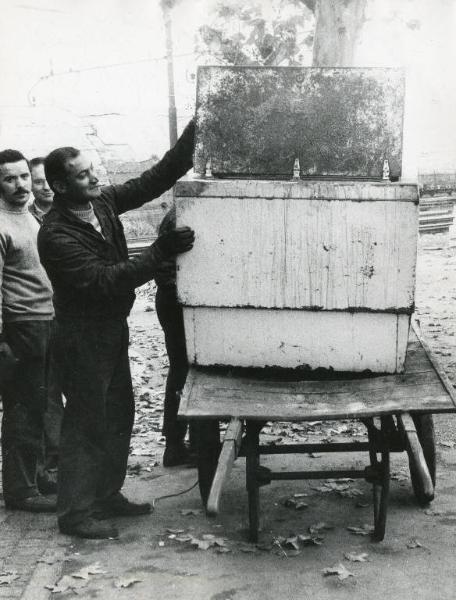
(59, 186)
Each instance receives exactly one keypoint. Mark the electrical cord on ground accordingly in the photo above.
(156, 500)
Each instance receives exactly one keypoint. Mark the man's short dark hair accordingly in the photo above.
(11, 156)
(54, 164)
(38, 160)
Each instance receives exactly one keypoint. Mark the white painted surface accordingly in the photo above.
(303, 189)
(321, 248)
(291, 338)
(299, 253)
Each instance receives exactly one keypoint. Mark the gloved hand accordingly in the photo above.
(175, 241)
(7, 363)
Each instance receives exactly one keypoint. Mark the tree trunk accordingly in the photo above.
(338, 24)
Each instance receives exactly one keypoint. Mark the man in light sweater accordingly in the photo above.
(26, 316)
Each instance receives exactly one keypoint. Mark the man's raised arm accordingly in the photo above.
(156, 180)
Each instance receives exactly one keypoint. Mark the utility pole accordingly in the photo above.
(166, 6)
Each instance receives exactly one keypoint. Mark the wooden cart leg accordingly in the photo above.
(380, 485)
(420, 444)
(252, 464)
(208, 446)
(230, 450)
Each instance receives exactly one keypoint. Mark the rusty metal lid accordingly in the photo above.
(338, 122)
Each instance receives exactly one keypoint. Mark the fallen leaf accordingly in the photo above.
(8, 577)
(126, 582)
(351, 493)
(433, 512)
(447, 444)
(296, 504)
(183, 538)
(339, 570)
(321, 526)
(293, 542)
(414, 543)
(67, 582)
(363, 530)
(336, 486)
(202, 544)
(352, 557)
(310, 540)
(191, 512)
(322, 488)
(85, 572)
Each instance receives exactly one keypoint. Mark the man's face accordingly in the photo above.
(40, 187)
(81, 185)
(15, 183)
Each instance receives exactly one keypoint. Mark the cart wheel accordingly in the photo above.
(208, 446)
(426, 435)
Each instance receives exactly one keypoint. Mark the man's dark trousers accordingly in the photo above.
(169, 313)
(24, 404)
(52, 422)
(92, 357)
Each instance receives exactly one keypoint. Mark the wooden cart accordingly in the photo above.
(396, 409)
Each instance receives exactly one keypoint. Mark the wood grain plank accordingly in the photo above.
(334, 190)
(286, 253)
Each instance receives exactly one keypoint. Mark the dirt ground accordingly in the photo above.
(178, 552)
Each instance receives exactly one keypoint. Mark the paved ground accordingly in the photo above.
(178, 553)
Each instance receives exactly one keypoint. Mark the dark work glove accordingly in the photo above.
(7, 363)
(175, 241)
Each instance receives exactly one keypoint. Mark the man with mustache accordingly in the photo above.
(25, 324)
(83, 249)
(47, 471)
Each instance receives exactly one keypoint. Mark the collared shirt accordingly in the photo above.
(36, 212)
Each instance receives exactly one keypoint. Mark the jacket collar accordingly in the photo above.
(59, 206)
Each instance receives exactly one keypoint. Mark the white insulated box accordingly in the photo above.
(306, 240)
(298, 274)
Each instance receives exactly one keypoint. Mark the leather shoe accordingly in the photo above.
(119, 506)
(36, 504)
(90, 529)
(178, 454)
(47, 483)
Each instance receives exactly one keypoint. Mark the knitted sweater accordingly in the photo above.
(25, 290)
(88, 215)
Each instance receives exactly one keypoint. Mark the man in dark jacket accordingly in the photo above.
(83, 249)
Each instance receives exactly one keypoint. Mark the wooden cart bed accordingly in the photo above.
(223, 393)
(403, 402)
